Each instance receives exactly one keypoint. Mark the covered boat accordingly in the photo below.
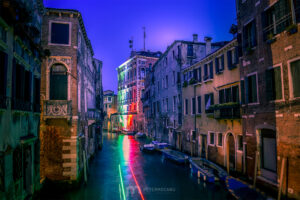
(147, 148)
(176, 156)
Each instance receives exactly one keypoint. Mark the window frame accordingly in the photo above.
(282, 82)
(209, 138)
(290, 81)
(218, 135)
(257, 91)
(50, 32)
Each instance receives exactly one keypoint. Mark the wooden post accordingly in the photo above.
(281, 177)
(255, 168)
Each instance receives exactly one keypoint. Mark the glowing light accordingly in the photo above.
(122, 184)
(126, 148)
(137, 184)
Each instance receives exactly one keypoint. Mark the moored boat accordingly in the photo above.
(140, 135)
(200, 163)
(160, 145)
(176, 156)
(147, 148)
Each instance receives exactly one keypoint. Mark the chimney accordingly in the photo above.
(208, 44)
(195, 37)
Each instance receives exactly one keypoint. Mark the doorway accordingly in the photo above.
(230, 152)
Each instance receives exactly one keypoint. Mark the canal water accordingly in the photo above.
(121, 171)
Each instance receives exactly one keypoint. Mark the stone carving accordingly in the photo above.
(65, 60)
(58, 108)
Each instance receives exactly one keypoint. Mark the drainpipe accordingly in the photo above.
(195, 119)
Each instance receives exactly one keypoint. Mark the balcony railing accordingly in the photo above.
(93, 114)
(19, 104)
(57, 108)
(3, 102)
(227, 111)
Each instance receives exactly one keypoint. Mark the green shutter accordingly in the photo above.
(254, 89)
(278, 86)
(269, 84)
(295, 72)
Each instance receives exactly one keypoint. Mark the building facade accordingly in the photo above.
(70, 89)
(212, 126)
(20, 67)
(166, 93)
(110, 107)
(268, 32)
(131, 75)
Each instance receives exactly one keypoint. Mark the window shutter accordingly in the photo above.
(222, 62)
(277, 82)
(254, 88)
(199, 104)
(269, 85)
(246, 90)
(217, 65)
(242, 92)
(253, 34)
(199, 74)
(195, 74)
(295, 72)
(236, 51)
(211, 70)
(229, 59)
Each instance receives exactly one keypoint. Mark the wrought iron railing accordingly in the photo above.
(57, 108)
(93, 114)
(230, 112)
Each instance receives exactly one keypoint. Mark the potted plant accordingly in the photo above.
(185, 84)
(192, 81)
(293, 28)
(270, 38)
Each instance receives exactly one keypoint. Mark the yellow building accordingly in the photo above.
(211, 108)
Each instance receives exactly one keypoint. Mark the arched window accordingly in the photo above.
(58, 82)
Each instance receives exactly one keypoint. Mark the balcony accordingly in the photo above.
(3, 102)
(57, 109)
(227, 111)
(94, 114)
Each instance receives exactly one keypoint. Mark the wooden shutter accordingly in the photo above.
(229, 59)
(222, 62)
(236, 57)
(199, 104)
(211, 70)
(199, 74)
(295, 72)
(277, 82)
(269, 85)
(243, 91)
(217, 65)
(246, 90)
(253, 33)
(254, 88)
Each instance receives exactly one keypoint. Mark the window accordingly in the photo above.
(195, 74)
(219, 64)
(174, 103)
(249, 35)
(167, 104)
(167, 81)
(109, 105)
(186, 106)
(295, 74)
(211, 70)
(60, 33)
(209, 101)
(205, 72)
(3, 34)
(232, 58)
(240, 142)
(190, 50)
(109, 98)
(276, 18)
(193, 106)
(212, 138)
(273, 84)
(199, 74)
(174, 77)
(194, 135)
(220, 139)
(269, 154)
(199, 104)
(251, 89)
(58, 83)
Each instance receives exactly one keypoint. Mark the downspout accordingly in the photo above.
(195, 119)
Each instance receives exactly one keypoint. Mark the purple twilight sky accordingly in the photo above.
(111, 23)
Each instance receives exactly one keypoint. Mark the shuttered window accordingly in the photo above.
(209, 101)
(58, 83)
(193, 106)
(186, 106)
(199, 74)
(3, 73)
(295, 73)
(249, 35)
(211, 70)
(251, 89)
(273, 84)
(190, 50)
(199, 104)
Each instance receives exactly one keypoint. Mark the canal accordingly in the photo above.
(120, 171)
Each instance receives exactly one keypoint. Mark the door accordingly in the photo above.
(231, 151)
(203, 146)
(27, 168)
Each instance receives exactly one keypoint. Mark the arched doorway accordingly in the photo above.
(230, 152)
(58, 82)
